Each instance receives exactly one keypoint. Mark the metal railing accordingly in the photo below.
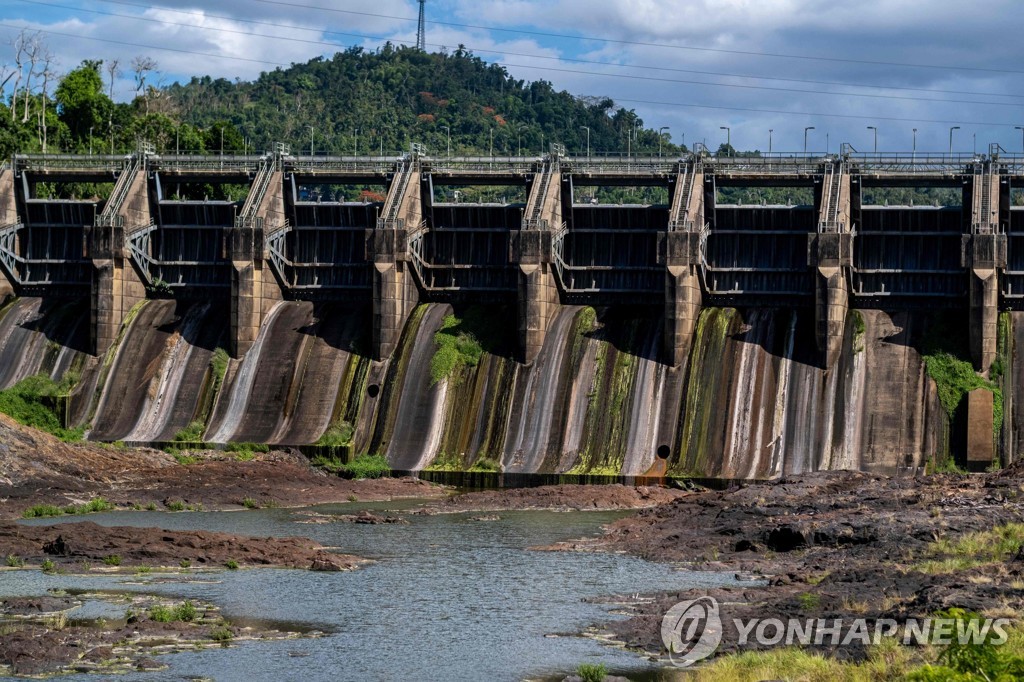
(99, 163)
(9, 257)
(207, 164)
(111, 214)
(534, 221)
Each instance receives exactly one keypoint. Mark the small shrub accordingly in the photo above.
(151, 506)
(33, 402)
(486, 464)
(143, 570)
(246, 448)
(185, 563)
(193, 433)
(186, 612)
(14, 561)
(48, 566)
(112, 560)
(231, 565)
(592, 672)
(222, 635)
(185, 459)
(250, 503)
(161, 614)
(176, 506)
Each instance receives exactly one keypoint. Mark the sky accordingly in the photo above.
(692, 66)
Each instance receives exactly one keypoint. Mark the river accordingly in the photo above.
(449, 597)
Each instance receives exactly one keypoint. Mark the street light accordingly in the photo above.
(660, 140)
(951, 139)
(355, 144)
(805, 138)
(1021, 129)
(587, 128)
(90, 140)
(449, 130)
(770, 131)
(490, 137)
(728, 137)
(914, 147)
(311, 140)
(876, 136)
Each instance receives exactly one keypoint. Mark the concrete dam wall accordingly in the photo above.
(610, 316)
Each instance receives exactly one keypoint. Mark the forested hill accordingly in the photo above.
(385, 99)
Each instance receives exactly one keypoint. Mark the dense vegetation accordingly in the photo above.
(355, 101)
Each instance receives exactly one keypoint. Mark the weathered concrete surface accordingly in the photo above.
(254, 290)
(117, 287)
(531, 250)
(394, 291)
(8, 216)
(980, 441)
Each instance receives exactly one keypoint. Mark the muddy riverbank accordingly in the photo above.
(37, 469)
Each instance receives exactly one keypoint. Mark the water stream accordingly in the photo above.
(450, 598)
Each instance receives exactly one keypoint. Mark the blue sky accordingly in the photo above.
(691, 65)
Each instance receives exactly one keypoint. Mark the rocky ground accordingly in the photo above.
(834, 545)
(36, 468)
(559, 498)
(42, 637)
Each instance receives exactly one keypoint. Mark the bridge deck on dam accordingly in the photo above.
(786, 230)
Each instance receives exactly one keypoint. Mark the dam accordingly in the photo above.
(613, 315)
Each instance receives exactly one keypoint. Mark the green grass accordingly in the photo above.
(339, 434)
(859, 329)
(112, 560)
(33, 402)
(592, 672)
(176, 506)
(193, 433)
(14, 561)
(970, 550)
(185, 613)
(809, 601)
(445, 462)
(48, 566)
(486, 464)
(97, 504)
(185, 460)
(247, 450)
(250, 503)
(367, 466)
(231, 565)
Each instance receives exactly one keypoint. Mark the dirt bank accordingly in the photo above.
(87, 544)
(833, 545)
(36, 468)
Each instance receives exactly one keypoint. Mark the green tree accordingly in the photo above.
(81, 104)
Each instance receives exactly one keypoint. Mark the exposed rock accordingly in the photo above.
(560, 497)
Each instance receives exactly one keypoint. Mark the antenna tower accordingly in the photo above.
(421, 31)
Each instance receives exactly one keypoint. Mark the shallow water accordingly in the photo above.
(449, 598)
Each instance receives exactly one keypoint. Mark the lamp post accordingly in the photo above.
(660, 139)
(805, 138)
(587, 128)
(1021, 129)
(770, 131)
(449, 131)
(355, 144)
(90, 140)
(728, 137)
(311, 140)
(875, 130)
(951, 139)
(490, 137)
